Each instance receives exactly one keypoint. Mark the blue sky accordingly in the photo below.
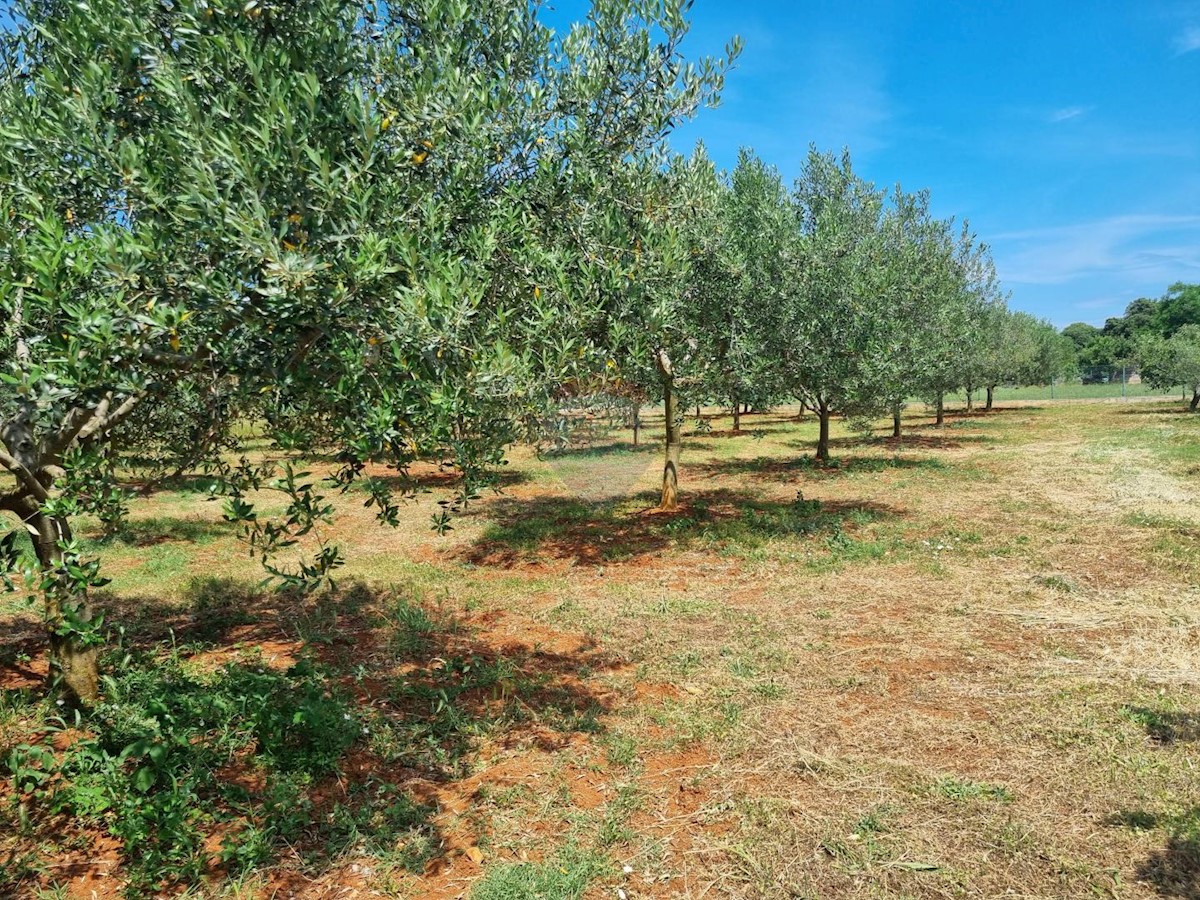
(1068, 133)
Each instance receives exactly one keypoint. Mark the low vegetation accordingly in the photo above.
(957, 663)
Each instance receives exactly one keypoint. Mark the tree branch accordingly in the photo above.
(106, 421)
(24, 476)
(75, 421)
(15, 325)
(14, 501)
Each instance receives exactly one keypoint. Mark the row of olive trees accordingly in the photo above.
(846, 296)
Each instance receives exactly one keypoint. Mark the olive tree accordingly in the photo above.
(1019, 349)
(833, 329)
(666, 247)
(739, 310)
(355, 220)
(966, 291)
(1173, 362)
(916, 262)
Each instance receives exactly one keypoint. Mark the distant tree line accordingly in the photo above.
(1154, 337)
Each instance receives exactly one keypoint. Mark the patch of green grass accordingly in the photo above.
(769, 690)
(564, 876)
(1164, 724)
(1055, 583)
(685, 662)
(621, 749)
(165, 562)
(676, 607)
(962, 790)
(150, 531)
(842, 549)
(411, 626)
(863, 843)
(1074, 390)
(615, 828)
(1165, 523)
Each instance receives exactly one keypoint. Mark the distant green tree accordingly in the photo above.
(918, 265)
(969, 292)
(1023, 350)
(1173, 361)
(1179, 306)
(1081, 334)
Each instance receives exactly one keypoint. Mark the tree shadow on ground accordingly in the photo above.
(1174, 871)
(752, 430)
(928, 441)
(146, 532)
(523, 532)
(962, 415)
(1165, 726)
(1179, 408)
(911, 440)
(432, 477)
(307, 728)
(594, 451)
(772, 468)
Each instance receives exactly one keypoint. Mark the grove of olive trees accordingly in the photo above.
(391, 233)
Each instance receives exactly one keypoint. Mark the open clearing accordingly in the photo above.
(961, 664)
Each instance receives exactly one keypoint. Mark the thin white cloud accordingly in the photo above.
(1145, 248)
(841, 97)
(1188, 41)
(1068, 113)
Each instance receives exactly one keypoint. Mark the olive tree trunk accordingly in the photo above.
(670, 478)
(637, 422)
(941, 409)
(35, 462)
(737, 415)
(895, 418)
(1195, 404)
(74, 664)
(991, 396)
(823, 413)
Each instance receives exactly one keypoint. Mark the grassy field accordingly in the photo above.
(964, 663)
(1078, 391)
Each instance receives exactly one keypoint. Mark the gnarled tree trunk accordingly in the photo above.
(74, 664)
(34, 460)
(991, 396)
(1195, 404)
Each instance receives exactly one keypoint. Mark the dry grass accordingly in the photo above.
(970, 668)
